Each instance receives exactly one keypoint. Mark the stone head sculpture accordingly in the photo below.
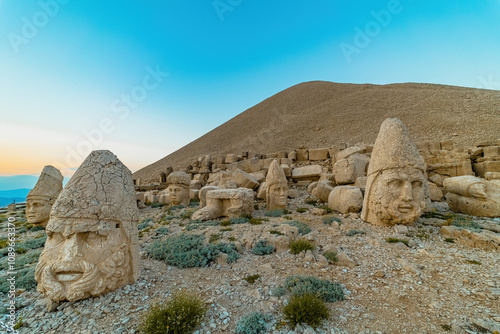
(178, 188)
(396, 190)
(92, 242)
(276, 187)
(41, 198)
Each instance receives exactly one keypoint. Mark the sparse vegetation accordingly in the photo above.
(214, 238)
(240, 220)
(25, 279)
(450, 240)
(198, 224)
(392, 240)
(256, 221)
(275, 232)
(303, 227)
(301, 245)
(351, 233)
(302, 210)
(324, 289)
(305, 309)
(331, 256)
(182, 313)
(262, 247)
(311, 202)
(474, 262)
(251, 279)
(326, 208)
(276, 213)
(162, 231)
(254, 323)
(225, 223)
(188, 250)
(465, 223)
(330, 220)
(278, 291)
(446, 327)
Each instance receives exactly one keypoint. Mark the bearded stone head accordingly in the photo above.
(397, 191)
(92, 242)
(399, 196)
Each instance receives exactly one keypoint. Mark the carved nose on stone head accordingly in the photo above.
(71, 248)
(407, 194)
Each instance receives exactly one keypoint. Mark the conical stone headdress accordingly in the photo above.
(275, 174)
(394, 148)
(48, 186)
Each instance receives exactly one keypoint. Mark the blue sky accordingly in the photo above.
(67, 67)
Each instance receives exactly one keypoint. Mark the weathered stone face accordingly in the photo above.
(83, 259)
(396, 190)
(179, 195)
(277, 196)
(398, 196)
(41, 198)
(277, 187)
(92, 243)
(38, 211)
(178, 188)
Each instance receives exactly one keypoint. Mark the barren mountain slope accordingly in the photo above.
(319, 114)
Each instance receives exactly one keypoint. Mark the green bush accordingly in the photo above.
(324, 289)
(32, 243)
(262, 247)
(306, 309)
(299, 245)
(278, 291)
(142, 226)
(256, 221)
(302, 210)
(396, 240)
(465, 223)
(311, 202)
(239, 220)
(187, 251)
(36, 228)
(198, 224)
(303, 228)
(275, 213)
(214, 237)
(351, 233)
(330, 220)
(254, 323)
(181, 314)
(326, 208)
(162, 230)
(275, 232)
(331, 256)
(252, 278)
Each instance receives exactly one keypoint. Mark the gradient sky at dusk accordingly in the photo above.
(144, 78)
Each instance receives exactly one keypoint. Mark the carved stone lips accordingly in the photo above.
(69, 274)
(405, 208)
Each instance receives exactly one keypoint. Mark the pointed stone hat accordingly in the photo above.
(394, 148)
(275, 174)
(99, 196)
(48, 186)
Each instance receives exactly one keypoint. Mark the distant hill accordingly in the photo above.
(319, 114)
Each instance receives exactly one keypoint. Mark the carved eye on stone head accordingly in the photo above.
(416, 184)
